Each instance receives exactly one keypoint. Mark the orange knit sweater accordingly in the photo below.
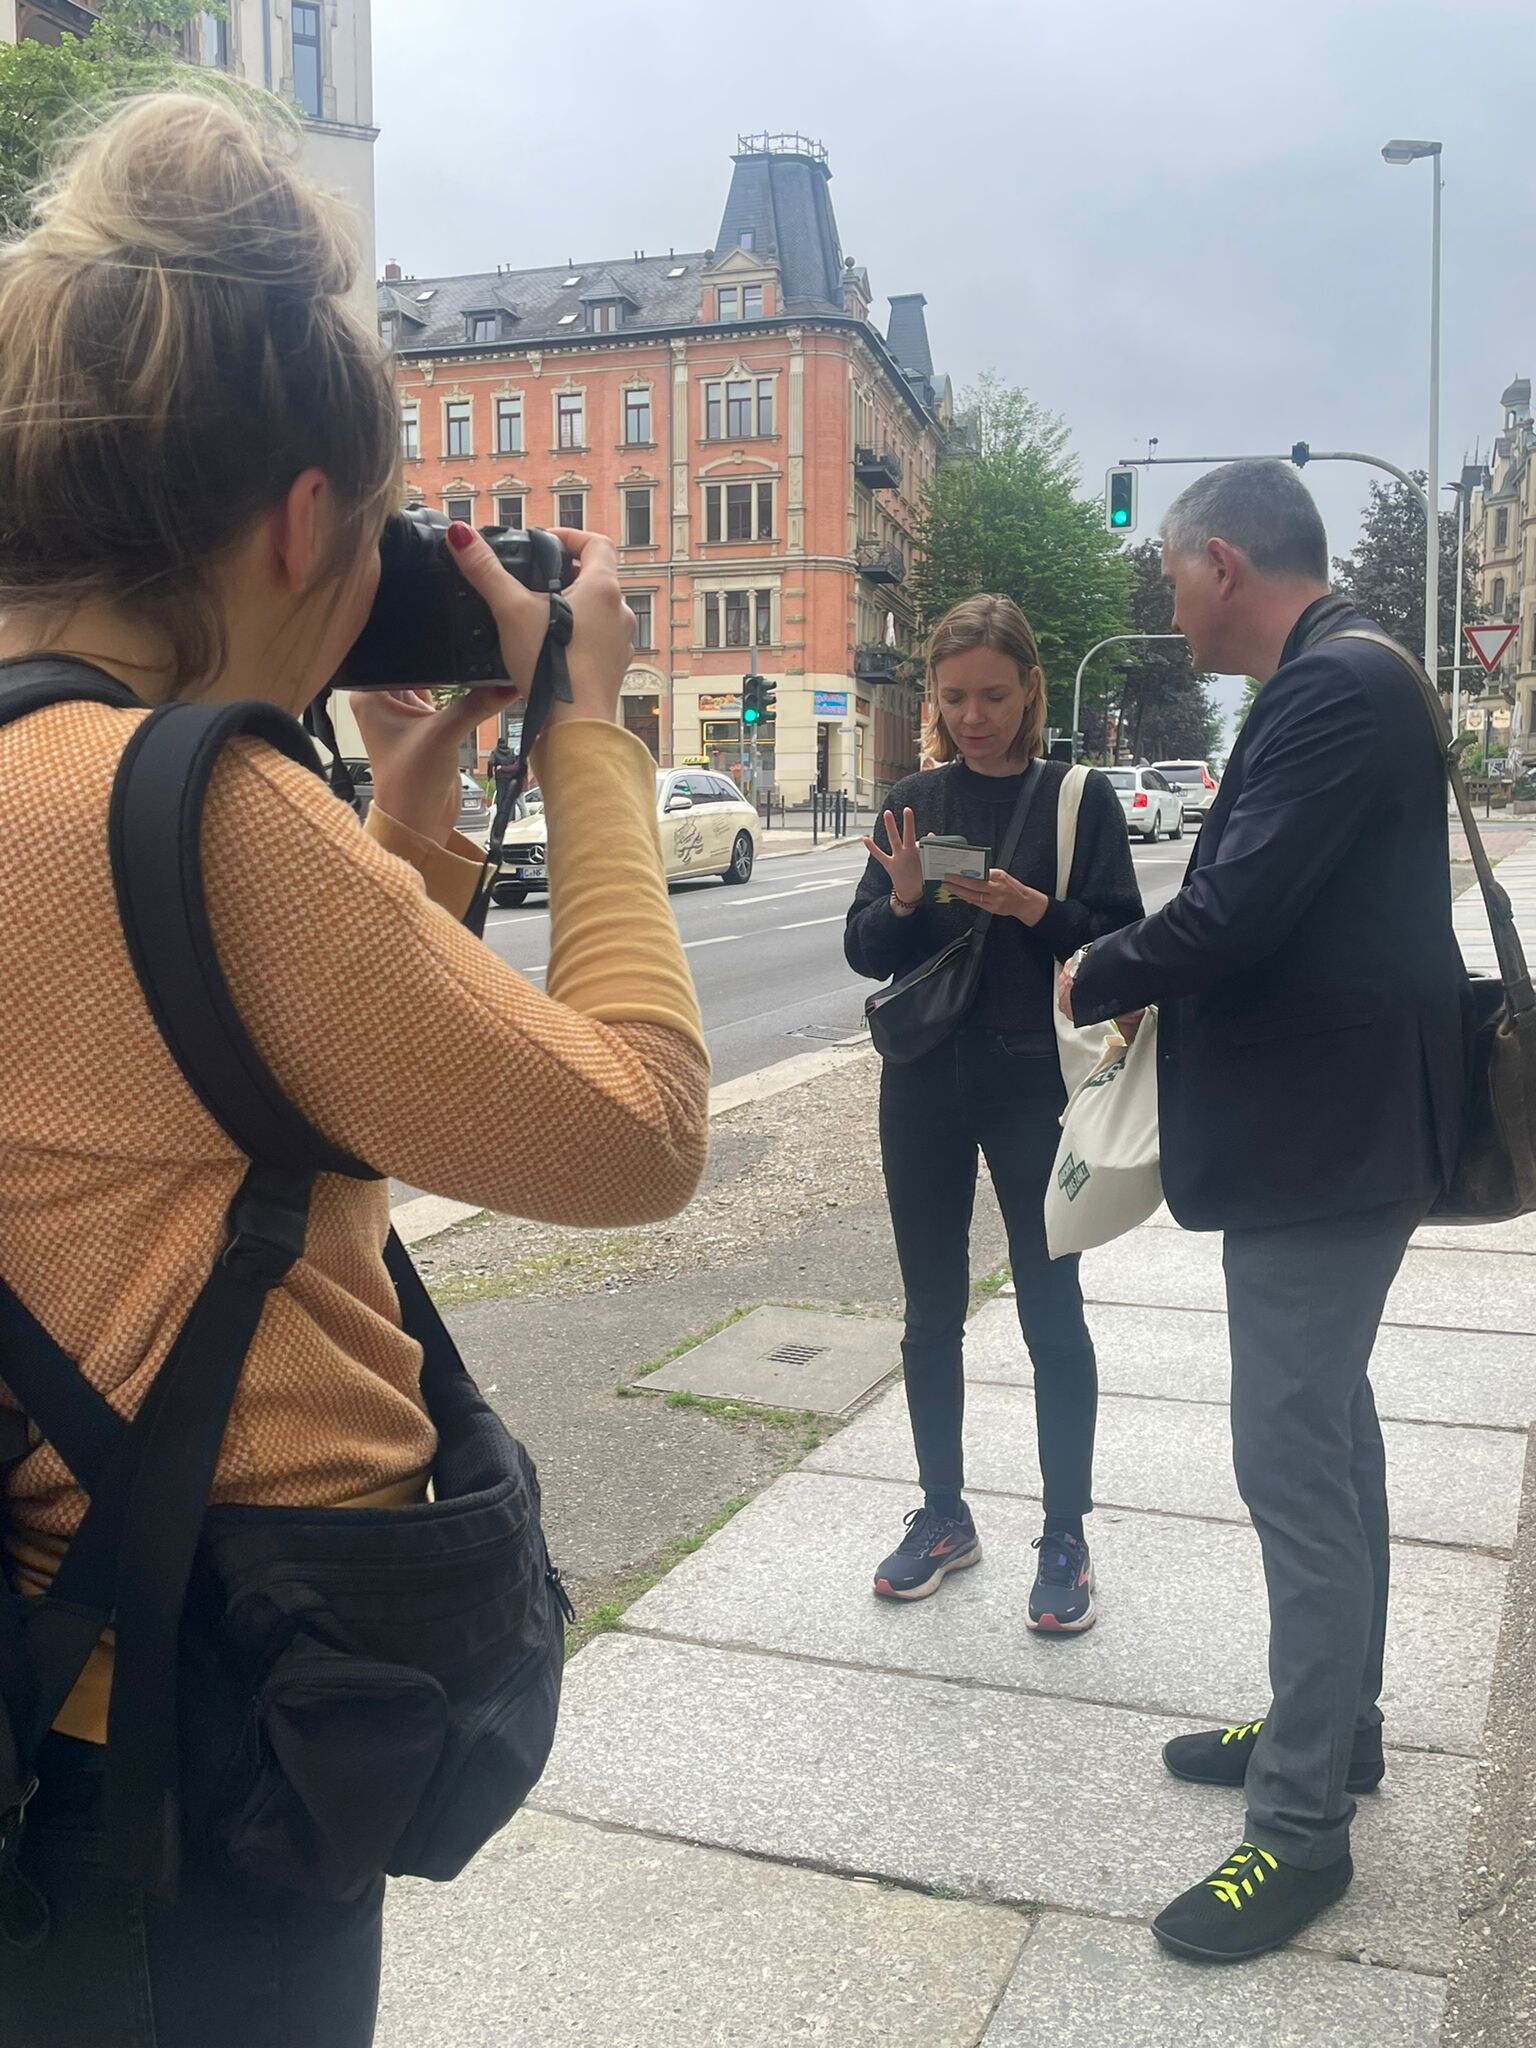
(386, 1023)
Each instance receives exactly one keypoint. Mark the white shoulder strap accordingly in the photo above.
(1068, 804)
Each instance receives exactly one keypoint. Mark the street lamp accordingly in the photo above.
(1400, 151)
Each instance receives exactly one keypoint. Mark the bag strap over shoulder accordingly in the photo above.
(1510, 953)
(1069, 803)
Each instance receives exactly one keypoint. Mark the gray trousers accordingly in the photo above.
(1303, 1305)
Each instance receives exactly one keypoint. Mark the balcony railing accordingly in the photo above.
(877, 468)
(879, 564)
(878, 664)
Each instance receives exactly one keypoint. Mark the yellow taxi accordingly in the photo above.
(707, 828)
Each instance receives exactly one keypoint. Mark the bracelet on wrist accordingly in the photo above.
(902, 906)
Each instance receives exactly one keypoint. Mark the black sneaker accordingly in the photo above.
(1061, 1599)
(933, 1547)
(1220, 1756)
(1252, 1904)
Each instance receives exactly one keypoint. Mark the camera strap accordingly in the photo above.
(551, 679)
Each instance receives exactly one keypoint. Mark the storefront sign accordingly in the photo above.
(831, 703)
(716, 703)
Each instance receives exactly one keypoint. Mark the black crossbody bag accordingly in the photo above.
(325, 1695)
(922, 1008)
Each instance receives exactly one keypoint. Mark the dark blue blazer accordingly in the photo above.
(1312, 999)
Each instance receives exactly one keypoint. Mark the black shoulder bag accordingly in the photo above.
(922, 1008)
(1495, 1174)
(325, 1694)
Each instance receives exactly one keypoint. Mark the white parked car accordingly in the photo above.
(1194, 782)
(707, 828)
(1151, 805)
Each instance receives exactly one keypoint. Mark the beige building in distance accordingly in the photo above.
(315, 53)
(1502, 525)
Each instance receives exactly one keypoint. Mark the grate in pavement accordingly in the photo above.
(797, 1354)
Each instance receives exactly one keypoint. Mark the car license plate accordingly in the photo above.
(529, 874)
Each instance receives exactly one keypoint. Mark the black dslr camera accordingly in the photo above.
(428, 629)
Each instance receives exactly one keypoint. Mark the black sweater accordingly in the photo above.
(1018, 976)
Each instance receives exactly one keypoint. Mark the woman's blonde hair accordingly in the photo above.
(175, 349)
(984, 621)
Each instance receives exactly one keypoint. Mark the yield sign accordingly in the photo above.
(1489, 642)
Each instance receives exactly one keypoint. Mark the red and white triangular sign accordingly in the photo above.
(1489, 642)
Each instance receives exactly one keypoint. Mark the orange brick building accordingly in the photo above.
(740, 427)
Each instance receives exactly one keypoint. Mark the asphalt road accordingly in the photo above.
(768, 958)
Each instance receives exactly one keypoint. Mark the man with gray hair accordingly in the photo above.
(1311, 1079)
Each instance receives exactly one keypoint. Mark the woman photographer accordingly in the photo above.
(198, 448)
(993, 1087)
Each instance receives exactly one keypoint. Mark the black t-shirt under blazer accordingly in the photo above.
(1018, 970)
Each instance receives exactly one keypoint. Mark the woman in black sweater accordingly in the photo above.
(995, 1087)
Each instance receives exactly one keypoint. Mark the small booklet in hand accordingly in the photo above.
(943, 857)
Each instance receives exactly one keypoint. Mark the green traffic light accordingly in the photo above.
(749, 716)
(1120, 516)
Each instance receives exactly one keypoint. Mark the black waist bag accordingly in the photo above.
(324, 1695)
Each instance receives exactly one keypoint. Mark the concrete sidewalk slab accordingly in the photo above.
(1419, 1375)
(568, 1936)
(1458, 1486)
(1000, 1795)
(1092, 1984)
(1445, 1289)
(1161, 1578)
(788, 1358)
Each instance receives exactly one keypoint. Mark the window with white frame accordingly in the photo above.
(460, 508)
(570, 419)
(308, 67)
(570, 509)
(737, 408)
(637, 419)
(458, 437)
(509, 426)
(637, 518)
(509, 511)
(739, 302)
(639, 602)
(738, 618)
(737, 512)
(410, 432)
(1501, 527)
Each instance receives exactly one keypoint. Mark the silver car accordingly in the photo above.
(1194, 782)
(1151, 805)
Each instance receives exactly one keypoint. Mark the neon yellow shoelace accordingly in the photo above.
(1240, 1877)
(1237, 1734)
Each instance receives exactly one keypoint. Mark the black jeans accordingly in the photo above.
(999, 1094)
(228, 1965)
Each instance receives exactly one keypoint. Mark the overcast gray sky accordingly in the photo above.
(1161, 219)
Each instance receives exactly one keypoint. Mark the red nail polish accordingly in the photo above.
(460, 535)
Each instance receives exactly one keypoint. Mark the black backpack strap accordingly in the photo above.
(34, 681)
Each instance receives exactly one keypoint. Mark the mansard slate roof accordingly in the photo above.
(784, 203)
(537, 298)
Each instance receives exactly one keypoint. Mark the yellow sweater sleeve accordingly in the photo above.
(413, 1046)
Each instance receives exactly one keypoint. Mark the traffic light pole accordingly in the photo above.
(1114, 640)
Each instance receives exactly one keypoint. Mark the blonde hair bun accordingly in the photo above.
(176, 348)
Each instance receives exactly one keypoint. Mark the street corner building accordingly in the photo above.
(737, 422)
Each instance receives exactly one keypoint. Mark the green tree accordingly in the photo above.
(44, 87)
(1002, 513)
(1385, 574)
(1165, 707)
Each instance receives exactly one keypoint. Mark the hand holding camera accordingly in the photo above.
(456, 606)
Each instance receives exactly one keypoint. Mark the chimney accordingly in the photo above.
(392, 272)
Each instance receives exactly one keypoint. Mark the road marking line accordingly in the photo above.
(729, 939)
(806, 922)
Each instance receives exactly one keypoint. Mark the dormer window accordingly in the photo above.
(389, 329)
(747, 240)
(606, 317)
(739, 302)
(482, 327)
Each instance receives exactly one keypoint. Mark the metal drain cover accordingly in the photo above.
(788, 1358)
(797, 1354)
(829, 1034)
